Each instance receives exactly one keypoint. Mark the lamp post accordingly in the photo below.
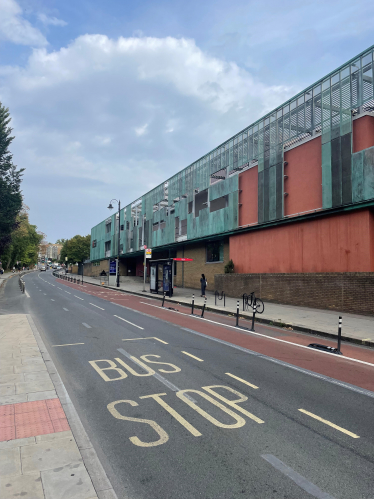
(110, 207)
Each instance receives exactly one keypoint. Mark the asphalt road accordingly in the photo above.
(146, 392)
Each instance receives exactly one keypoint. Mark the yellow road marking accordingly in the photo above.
(190, 355)
(68, 344)
(242, 381)
(122, 319)
(353, 435)
(367, 339)
(148, 338)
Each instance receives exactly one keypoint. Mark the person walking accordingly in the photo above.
(203, 284)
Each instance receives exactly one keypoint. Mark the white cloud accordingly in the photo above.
(68, 104)
(16, 29)
(51, 20)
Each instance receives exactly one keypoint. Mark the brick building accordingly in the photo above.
(293, 193)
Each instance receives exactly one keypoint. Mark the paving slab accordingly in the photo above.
(19, 442)
(32, 368)
(49, 394)
(49, 455)
(38, 376)
(12, 378)
(22, 486)
(34, 386)
(13, 399)
(10, 462)
(71, 481)
(7, 389)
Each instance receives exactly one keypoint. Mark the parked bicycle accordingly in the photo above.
(249, 301)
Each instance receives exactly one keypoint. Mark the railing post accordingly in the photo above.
(203, 310)
(215, 297)
(340, 333)
(163, 299)
(237, 313)
(224, 299)
(193, 304)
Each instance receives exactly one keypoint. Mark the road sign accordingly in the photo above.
(148, 253)
(183, 259)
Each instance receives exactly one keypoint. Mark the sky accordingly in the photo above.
(109, 99)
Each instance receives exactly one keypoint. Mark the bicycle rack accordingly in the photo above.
(220, 297)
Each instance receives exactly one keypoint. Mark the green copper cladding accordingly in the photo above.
(202, 199)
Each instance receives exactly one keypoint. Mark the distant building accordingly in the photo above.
(291, 193)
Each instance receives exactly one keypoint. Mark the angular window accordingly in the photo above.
(219, 203)
(94, 243)
(214, 252)
(155, 227)
(122, 227)
(162, 224)
(107, 245)
(108, 228)
(127, 225)
(176, 227)
(201, 201)
(184, 227)
(190, 207)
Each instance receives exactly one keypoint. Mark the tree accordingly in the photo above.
(60, 241)
(76, 249)
(10, 183)
(229, 267)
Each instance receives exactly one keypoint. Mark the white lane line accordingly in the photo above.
(242, 381)
(66, 310)
(68, 292)
(97, 306)
(59, 288)
(302, 482)
(337, 357)
(78, 297)
(68, 345)
(163, 380)
(122, 319)
(45, 294)
(339, 428)
(86, 325)
(26, 293)
(193, 356)
(52, 299)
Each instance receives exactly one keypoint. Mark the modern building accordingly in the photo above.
(291, 193)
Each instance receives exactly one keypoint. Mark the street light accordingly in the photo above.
(110, 207)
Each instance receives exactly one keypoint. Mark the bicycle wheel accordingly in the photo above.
(260, 307)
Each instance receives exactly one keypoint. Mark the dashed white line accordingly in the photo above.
(66, 310)
(86, 325)
(122, 319)
(97, 306)
(78, 297)
(52, 299)
(68, 292)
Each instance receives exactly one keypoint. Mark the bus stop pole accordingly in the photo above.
(144, 270)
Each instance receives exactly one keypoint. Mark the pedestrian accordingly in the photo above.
(203, 284)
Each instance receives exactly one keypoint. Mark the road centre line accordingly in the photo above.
(79, 298)
(68, 292)
(68, 344)
(122, 319)
(343, 384)
(302, 482)
(52, 299)
(86, 325)
(339, 428)
(158, 376)
(59, 288)
(243, 381)
(148, 338)
(338, 357)
(193, 356)
(26, 293)
(97, 306)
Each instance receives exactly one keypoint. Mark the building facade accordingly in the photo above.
(292, 193)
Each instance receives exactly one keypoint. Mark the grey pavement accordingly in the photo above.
(358, 328)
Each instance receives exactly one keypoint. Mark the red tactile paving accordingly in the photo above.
(30, 419)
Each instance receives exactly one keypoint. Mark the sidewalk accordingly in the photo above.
(40, 456)
(356, 328)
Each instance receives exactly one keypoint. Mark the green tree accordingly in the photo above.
(76, 249)
(10, 183)
(60, 241)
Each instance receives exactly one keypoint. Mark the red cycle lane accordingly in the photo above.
(273, 342)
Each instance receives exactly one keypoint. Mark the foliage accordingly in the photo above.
(60, 241)
(76, 249)
(24, 243)
(10, 182)
(229, 267)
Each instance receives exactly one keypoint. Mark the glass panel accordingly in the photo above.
(317, 90)
(335, 79)
(293, 105)
(344, 73)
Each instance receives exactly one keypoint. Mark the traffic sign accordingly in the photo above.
(183, 259)
(148, 253)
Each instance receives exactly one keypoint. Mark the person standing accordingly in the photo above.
(203, 284)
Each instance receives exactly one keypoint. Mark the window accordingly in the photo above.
(108, 228)
(219, 203)
(107, 245)
(214, 252)
(155, 227)
(162, 224)
(184, 227)
(127, 225)
(94, 243)
(121, 248)
(190, 207)
(122, 227)
(201, 201)
(176, 227)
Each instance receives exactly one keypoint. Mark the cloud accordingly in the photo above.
(51, 20)
(14, 28)
(79, 113)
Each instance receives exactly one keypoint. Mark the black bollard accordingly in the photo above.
(253, 317)
(237, 313)
(193, 304)
(224, 299)
(163, 300)
(340, 333)
(203, 310)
